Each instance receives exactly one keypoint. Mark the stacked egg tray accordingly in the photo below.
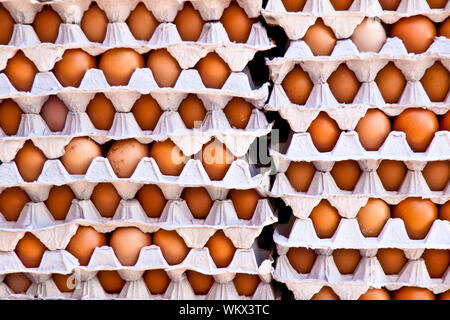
(55, 235)
(300, 231)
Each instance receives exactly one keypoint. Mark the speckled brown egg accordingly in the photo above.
(172, 246)
(437, 261)
(6, 26)
(325, 219)
(373, 129)
(343, 84)
(198, 201)
(71, 68)
(391, 83)
(413, 293)
(346, 174)
(127, 243)
(324, 132)
(391, 173)
(119, 64)
(436, 82)
(416, 32)
(200, 283)
(10, 117)
(105, 199)
(392, 260)
(300, 175)
(320, 38)
(297, 85)
(54, 112)
(124, 156)
(326, 293)
(346, 260)
(111, 281)
(375, 294)
(46, 24)
(20, 71)
(391, 5)
(301, 259)
(169, 158)
(236, 23)
(12, 201)
(152, 200)
(221, 249)
(59, 201)
(444, 211)
(79, 154)
(83, 243)
(216, 159)
(246, 284)
(294, 5)
(64, 282)
(244, 202)
(213, 70)
(94, 23)
(17, 282)
(437, 174)
(30, 161)
(373, 216)
(192, 111)
(142, 22)
(101, 111)
(164, 66)
(157, 281)
(341, 4)
(189, 23)
(30, 250)
(147, 112)
(238, 112)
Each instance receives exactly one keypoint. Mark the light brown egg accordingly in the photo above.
(445, 295)
(369, 35)
(119, 64)
(417, 214)
(444, 28)
(297, 85)
(320, 38)
(64, 282)
(200, 283)
(54, 112)
(373, 216)
(346, 174)
(46, 24)
(436, 4)
(300, 175)
(389, 4)
(294, 5)
(110, 281)
(416, 32)
(142, 22)
(59, 201)
(244, 202)
(343, 84)
(437, 261)
(152, 200)
(124, 156)
(169, 158)
(71, 68)
(326, 293)
(238, 112)
(437, 174)
(101, 111)
(246, 284)
(192, 111)
(445, 122)
(392, 260)
(419, 125)
(198, 201)
(413, 293)
(172, 246)
(147, 112)
(30, 161)
(301, 259)
(10, 117)
(391, 83)
(216, 159)
(106, 199)
(94, 23)
(6, 26)
(20, 71)
(79, 154)
(324, 132)
(221, 249)
(17, 282)
(373, 129)
(346, 260)
(391, 174)
(236, 23)
(189, 23)
(436, 82)
(83, 243)
(30, 250)
(375, 294)
(164, 66)
(325, 219)
(157, 281)
(444, 211)
(341, 4)
(12, 201)
(213, 70)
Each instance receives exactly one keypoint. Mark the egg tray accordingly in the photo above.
(343, 23)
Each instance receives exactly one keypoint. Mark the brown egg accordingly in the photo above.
(12, 201)
(127, 243)
(301, 259)
(10, 117)
(419, 126)
(436, 4)
(373, 216)
(152, 200)
(325, 219)
(444, 211)
(391, 83)
(198, 201)
(110, 281)
(437, 262)
(54, 112)
(326, 293)
(389, 4)
(200, 283)
(106, 199)
(221, 249)
(238, 112)
(17, 282)
(297, 85)
(373, 129)
(445, 295)
(157, 281)
(375, 294)
(392, 260)
(59, 201)
(20, 71)
(244, 202)
(341, 4)
(320, 38)
(79, 154)
(213, 70)
(6, 26)
(293, 5)
(391, 174)
(413, 293)
(346, 260)
(189, 23)
(147, 112)
(444, 28)
(83, 243)
(343, 84)
(164, 66)
(30, 161)
(169, 158)
(445, 122)
(346, 174)
(71, 68)
(192, 111)
(436, 82)
(416, 32)
(142, 22)
(437, 174)
(216, 159)
(236, 23)
(300, 175)
(417, 214)
(101, 111)
(172, 246)
(64, 282)
(324, 132)
(46, 24)
(124, 156)
(30, 250)
(94, 23)
(369, 35)
(119, 64)
(246, 284)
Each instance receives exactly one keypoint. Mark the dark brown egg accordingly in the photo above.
(244, 202)
(106, 199)
(236, 23)
(169, 158)
(325, 219)
(127, 243)
(392, 260)
(152, 200)
(444, 124)
(142, 22)
(437, 4)
(343, 84)
(20, 71)
(17, 282)
(341, 4)
(300, 175)
(320, 39)
(246, 284)
(71, 68)
(391, 174)
(147, 112)
(389, 4)
(373, 129)
(391, 83)
(213, 70)
(10, 117)
(416, 32)
(444, 211)
(200, 283)
(445, 295)
(189, 23)
(324, 132)
(221, 249)
(83, 243)
(437, 261)
(157, 281)
(119, 64)
(79, 153)
(444, 28)
(198, 201)
(413, 293)
(164, 66)
(301, 259)
(111, 281)
(436, 82)
(294, 5)
(54, 112)
(172, 246)
(46, 24)
(30, 250)
(30, 161)
(94, 23)
(101, 111)
(59, 201)
(6, 26)
(216, 159)
(192, 111)
(238, 112)
(297, 85)
(346, 174)
(64, 282)
(346, 260)
(125, 155)
(326, 293)
(437, 174)
(12, 201)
